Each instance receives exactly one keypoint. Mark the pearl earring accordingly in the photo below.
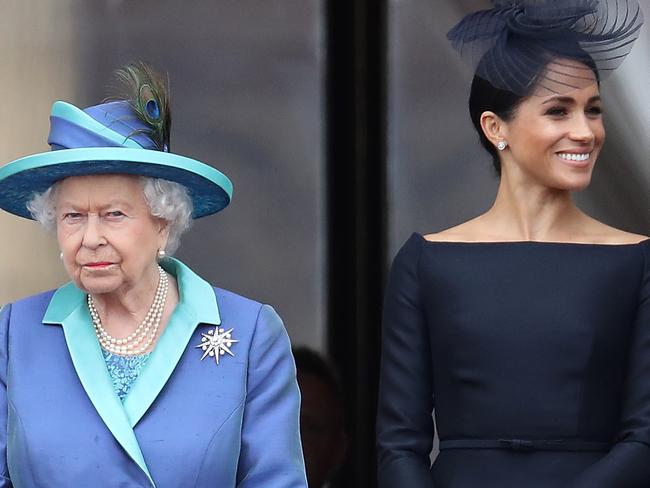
(161, 253)
(502, 145)
(61, 256)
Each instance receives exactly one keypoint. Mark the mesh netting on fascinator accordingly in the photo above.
(555, 45)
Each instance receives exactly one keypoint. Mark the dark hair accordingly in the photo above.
(504, 103)
(483, 97)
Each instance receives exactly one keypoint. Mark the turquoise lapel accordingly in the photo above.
(68, 308)
(197, 305)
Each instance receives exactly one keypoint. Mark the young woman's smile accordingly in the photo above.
(555, 140)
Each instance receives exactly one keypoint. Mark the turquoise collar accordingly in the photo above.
(197, 305)
(196, 295)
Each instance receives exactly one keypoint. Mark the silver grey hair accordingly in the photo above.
(42, 206)
(167, 200)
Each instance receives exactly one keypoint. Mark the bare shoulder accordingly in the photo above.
(588, 230)
(599, 232)
(469, 231)
(618, 236)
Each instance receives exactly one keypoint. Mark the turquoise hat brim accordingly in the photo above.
(209, 189)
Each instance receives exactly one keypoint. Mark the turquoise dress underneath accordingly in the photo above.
(124, 370)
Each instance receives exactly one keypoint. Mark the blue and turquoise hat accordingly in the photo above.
(107, 139)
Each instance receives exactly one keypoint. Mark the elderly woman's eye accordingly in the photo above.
(115, 214)
(71, 216)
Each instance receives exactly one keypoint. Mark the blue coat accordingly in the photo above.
(186, 422)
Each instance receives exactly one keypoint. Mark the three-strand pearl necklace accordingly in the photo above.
(139, 341)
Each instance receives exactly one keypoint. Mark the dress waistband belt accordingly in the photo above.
(526, 445)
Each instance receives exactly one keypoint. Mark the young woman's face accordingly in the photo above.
(555, 139)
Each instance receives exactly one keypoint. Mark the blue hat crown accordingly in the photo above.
(112, 124)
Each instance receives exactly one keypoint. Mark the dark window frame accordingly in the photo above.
(356, 145)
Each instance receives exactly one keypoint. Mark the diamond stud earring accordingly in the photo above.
(502, 145)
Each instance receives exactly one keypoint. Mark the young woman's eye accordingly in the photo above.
(556, 111)
(595, 111)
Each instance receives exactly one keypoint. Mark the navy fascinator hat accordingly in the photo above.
(522, 44)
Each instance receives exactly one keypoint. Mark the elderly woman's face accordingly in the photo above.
(106, 232)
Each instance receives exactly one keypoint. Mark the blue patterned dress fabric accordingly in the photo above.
(124, 370)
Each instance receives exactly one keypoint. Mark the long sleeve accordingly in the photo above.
(271, 454)
(405, 428)
(5, 313)
(627, 465)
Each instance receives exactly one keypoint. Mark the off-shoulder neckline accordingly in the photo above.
(542, 243)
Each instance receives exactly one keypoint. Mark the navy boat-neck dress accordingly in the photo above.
(534, 356)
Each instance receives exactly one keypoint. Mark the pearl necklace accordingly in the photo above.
(142, 337)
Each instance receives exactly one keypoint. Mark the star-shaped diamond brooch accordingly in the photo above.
(216, 343)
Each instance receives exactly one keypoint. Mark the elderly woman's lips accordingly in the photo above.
(102, 264)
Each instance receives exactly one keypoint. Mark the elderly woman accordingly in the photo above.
(527, 328)
(137, 372)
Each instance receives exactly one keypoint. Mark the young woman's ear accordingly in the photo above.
(495, 129)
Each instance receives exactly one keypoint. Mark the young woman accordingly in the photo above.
(526, 329)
